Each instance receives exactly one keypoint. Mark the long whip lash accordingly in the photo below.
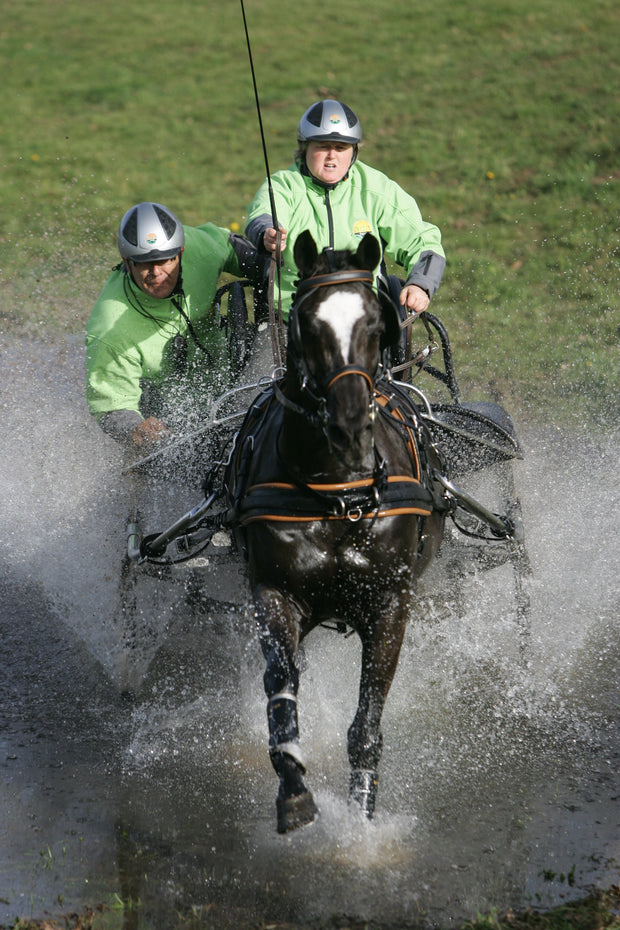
(277, 326)
(260, 120)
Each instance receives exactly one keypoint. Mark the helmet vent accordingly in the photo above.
(350, 115)
(167, 222)
(315, 115)
(130, 229)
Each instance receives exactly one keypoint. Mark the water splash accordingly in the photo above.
(501, 759)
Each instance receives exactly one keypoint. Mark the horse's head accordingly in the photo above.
(338, 328)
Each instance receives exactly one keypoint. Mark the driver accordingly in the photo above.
(339, 198)
(153, 338)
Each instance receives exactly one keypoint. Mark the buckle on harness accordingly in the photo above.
(340, 508)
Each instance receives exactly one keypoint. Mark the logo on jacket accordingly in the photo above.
(361, 228)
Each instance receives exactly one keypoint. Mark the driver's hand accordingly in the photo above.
(414, 298)
(149, 432)
(270, 239)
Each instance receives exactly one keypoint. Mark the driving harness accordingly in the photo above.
(293, 500)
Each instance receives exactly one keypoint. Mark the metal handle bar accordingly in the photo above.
(158, 545)
(502, 527)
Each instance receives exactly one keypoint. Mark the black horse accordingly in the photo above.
(332, 488)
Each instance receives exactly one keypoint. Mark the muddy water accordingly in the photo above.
(132, 730)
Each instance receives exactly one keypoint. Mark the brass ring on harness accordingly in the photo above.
(355, 515)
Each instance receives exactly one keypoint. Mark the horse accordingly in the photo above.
(336, 509)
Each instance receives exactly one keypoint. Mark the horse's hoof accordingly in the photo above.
(363, 791)
(295, 811)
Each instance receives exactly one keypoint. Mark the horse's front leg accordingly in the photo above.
(381, 644)
(279, 622)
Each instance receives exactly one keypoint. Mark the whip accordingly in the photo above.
(277, 327)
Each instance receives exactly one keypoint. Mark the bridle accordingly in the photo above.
(317, 413)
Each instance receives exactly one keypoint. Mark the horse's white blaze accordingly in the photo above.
(341, 312)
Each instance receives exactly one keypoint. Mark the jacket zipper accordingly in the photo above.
(330, 220)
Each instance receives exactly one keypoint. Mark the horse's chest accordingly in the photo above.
(323, 555)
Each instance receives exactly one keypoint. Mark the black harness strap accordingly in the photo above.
(293, 500)
(334, 277)
(284, 502)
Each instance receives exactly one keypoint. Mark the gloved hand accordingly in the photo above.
(149, 432)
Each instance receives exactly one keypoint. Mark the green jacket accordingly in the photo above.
(130, 336)
(339, 215)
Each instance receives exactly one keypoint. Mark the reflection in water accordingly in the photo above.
(499, 780)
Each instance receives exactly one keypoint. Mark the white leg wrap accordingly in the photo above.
(290, 749)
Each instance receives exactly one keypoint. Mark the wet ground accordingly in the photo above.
(132, 725)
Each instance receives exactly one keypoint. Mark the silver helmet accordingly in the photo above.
(329, 121)
(150, 232)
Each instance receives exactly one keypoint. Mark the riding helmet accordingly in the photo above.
(329, 121)
(150, 232)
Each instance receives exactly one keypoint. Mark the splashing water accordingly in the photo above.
(499, 781)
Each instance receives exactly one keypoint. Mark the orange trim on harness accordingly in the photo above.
(383, 399)
(280, 518)
(343, 486)
(398, 510)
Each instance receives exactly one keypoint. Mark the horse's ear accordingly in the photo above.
(368, 253)
(305, 253)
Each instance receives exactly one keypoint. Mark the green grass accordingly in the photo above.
(500, 117)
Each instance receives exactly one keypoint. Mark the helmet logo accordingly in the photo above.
(334, 118)
(151, 238)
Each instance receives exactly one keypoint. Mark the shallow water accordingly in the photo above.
(500, 777)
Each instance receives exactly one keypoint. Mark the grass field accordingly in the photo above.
(500, 118)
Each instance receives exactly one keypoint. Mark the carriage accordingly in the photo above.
(340, 481)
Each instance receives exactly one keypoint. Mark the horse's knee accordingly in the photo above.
(279, 646)
(281, 672)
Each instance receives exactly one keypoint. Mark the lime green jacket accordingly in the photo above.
(339, 215)
(130, 336)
